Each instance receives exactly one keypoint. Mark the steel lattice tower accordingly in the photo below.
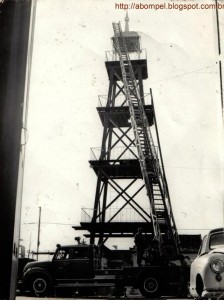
(135, 166)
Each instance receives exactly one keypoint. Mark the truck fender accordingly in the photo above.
(36, 271)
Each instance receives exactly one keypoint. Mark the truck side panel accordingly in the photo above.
(169, 275)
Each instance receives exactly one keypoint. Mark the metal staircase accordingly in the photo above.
(152, 173)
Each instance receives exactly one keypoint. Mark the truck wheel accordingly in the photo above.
(40, 286)
(150, 286)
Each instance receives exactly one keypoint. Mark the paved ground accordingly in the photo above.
(105, 294)
(89, 298)
(101, 298)
(30, 298)
(131, 294)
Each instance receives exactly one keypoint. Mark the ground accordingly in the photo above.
(102, 298)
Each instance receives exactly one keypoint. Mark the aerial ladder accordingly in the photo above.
(152, 172)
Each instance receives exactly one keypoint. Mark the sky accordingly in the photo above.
(68, 73)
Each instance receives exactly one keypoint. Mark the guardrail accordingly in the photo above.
(125, 215)
(120, 100)
(113, 56)
(114, 153)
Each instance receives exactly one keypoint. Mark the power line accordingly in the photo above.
(49, 223)
(186, 73)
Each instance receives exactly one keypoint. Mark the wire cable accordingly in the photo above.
(186, 73)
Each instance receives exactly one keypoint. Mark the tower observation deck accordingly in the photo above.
(129, 165)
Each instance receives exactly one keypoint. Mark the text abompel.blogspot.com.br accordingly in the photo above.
(169, 6)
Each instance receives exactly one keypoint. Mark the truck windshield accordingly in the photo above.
(61, 254)
(72, 253)
(216, 240)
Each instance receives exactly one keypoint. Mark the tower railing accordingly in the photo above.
(103, 100)
(125, 215)
(115, 153)
(113, 55)
(120, 152)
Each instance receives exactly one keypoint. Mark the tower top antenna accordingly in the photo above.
(127, 22)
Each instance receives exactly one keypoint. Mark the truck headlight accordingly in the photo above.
(217, 265)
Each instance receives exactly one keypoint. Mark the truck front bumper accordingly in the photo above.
(213, 294)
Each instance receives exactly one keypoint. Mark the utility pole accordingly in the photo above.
(218, 29)
(219, 53)
(38, 234)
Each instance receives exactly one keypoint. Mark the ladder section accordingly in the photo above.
(158, 200)
(152, 173)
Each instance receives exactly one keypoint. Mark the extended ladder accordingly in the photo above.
(152, 173)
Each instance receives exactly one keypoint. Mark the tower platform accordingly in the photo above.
(114, 229)
(119, 169)
(120, 115)
(122, 169)
(139, 67)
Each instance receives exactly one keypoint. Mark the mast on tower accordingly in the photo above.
(126, 22)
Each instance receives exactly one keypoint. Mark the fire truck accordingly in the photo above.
(77, 269)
